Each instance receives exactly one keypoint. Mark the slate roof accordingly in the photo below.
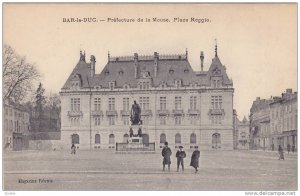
(122, 71)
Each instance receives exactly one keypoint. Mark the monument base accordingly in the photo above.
(135, 142)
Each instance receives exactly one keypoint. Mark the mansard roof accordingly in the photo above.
(122, 70)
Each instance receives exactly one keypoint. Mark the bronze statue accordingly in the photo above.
(135, 114)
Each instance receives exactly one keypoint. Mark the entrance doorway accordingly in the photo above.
(216, 141)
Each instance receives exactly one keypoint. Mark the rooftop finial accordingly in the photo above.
(82, 56)
(186, 53)
(216, 48)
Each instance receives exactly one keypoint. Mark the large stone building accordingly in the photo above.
(16, 126)
(273, 122)
(179, 105)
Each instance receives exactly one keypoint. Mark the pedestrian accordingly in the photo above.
(166, 153)
(73, 149)
(272, 146)
(195, 159)
(180, 156)
(280, 152)
(288, 148)
(293, 148)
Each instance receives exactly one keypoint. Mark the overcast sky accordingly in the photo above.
(256, 42)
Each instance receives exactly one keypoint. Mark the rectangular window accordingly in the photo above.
(144, 103)
(111, 104)
(193, 120)
(111, 120)
(125, 104)
(75, 121)
(177, 120)
(97, 104)
(216, 102)
(97, 121)
(216, 119)
(126, 121)
(162, 120)
(163, 103)
(75, 104)
(177, 103)
(193, 102)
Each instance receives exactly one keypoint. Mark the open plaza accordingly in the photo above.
(106, 170)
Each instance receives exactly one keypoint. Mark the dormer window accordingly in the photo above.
(76, 81)
(177, 83)
(126, 86)
(216, 72)
(111, 85)
(186, 71)
(121, 72)
(144, 85)
(171, 71)
(216, 82)
(106, 72)
(97, 87)
(194, 84)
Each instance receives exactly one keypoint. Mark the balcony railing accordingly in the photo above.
(97, 113)
(194, 112)
(146, 113)
(75, 113)
(178, 112)
(111, 113)
(163, 112)
(125, 113)
(216, 112)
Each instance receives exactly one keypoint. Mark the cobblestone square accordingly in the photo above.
(106, 170)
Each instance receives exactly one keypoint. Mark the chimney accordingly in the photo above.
(93, 62)
(156, 57)
(136, 59)
(257, 98)
(289, 91)
(201, 58)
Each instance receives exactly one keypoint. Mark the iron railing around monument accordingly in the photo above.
(127, 147)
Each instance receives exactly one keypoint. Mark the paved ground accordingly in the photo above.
(105, 170)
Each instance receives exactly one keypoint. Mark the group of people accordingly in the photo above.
(180, 155)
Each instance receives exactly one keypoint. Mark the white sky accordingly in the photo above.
(256, 42)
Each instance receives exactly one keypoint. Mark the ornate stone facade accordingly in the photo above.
(178, 104)
(273, 122)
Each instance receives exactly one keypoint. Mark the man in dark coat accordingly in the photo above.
(195, 159)
(280, 152)
(180, 156)
(288, 148)
(166, 153)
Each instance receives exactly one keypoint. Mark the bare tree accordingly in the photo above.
(18, 75)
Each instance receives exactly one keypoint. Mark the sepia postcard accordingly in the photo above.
(150, 97)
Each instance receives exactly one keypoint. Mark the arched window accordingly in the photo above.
(163, 138)
(177, 138)
(193, 138)
(97, 139)
(125, 138)
(111, 139)
(75, 139)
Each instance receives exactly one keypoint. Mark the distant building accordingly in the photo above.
(178, 104)
(241, 133)
(16, 126)
(273, 122)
